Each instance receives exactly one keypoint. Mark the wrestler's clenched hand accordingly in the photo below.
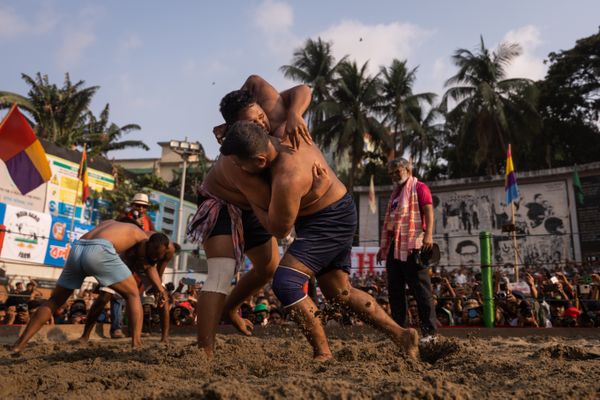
(161, 298)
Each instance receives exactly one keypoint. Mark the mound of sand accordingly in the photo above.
(280, 367)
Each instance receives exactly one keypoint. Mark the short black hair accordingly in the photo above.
(244, 139)
(158, 239)
(177, 247)
(234, 102)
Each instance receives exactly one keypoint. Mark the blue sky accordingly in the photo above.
(166, 65)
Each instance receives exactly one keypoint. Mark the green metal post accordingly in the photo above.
(485, 246)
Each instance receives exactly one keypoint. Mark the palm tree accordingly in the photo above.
(349, 119)
(101, 136)
(490, 111)
(401, 108)
(315, 66)
(426, 141)
(58, 113)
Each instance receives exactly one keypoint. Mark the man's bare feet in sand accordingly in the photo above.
(408, 341)
(322, 357)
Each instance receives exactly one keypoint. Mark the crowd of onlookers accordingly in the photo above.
(556, 296)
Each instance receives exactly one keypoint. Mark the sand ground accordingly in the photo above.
(279, 366)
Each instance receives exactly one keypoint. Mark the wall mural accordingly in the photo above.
(541, 219)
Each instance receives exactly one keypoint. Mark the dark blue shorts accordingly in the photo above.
(324, 239)
(254, 233)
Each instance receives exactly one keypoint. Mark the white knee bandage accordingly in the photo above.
(221, 271)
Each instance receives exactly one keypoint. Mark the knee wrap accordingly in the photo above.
(290, 286)
(221, 271)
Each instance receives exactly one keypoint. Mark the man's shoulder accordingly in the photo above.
(424, 194)
(422, 185)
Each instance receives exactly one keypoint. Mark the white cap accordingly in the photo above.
(141, 198)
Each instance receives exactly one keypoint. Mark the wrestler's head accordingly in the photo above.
(241, 105)
(156, 248)
(249, 146)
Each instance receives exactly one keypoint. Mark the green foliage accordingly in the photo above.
(401, 109)
(62, 115)
(194, 175)
(151, 181)
(486, 111)
(570, 106)
(118, 199)
(102, 136)
(315, 66)
(58, 113)
(349, 116)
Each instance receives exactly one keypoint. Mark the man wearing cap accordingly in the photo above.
(407, 231)
(139, 207)
(261, 314)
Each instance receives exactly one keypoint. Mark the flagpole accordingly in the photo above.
(364, 240)
(514, 235)
(74, 210)
(75, 201)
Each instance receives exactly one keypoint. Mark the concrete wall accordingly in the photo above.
(546, 215)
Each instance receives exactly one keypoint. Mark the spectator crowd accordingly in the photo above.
(556, 296)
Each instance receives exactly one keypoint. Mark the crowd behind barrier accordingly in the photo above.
(562, 295)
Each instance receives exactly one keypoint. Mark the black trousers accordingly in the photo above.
(400, 274)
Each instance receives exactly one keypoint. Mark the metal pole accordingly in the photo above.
(514, 238)
(485, 239)
(180, 220)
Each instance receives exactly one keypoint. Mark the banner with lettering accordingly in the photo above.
(60, 241)
(26, 235)
(364, 261)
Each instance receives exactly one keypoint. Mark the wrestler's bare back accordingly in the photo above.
(122, 235)
(296, 166)
(221, 182)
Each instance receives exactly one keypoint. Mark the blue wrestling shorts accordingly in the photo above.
(94, 257)
(324, 239)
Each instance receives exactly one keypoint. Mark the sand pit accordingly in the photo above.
(279, 366)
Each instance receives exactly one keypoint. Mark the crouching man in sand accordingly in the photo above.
(324, 231)
(145, 285)
(97, 254)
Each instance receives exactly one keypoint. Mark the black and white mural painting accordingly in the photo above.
(541, 219)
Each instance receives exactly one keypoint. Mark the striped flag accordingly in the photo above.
(510, 182)
(83, 176)
(22, 152)
(372, 203)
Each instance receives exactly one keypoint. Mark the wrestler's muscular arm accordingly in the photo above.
(254, 188)
(287, 191)
(284, 110)
(165, 261)
(151, 270)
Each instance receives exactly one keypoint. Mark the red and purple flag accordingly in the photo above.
(22, 152)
